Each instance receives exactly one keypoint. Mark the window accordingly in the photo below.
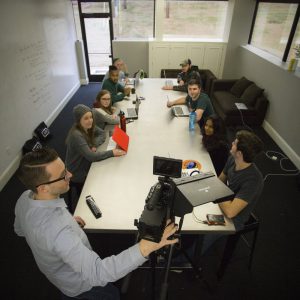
(133, 19)
(191, 19)
(296, 41)
(272, 27)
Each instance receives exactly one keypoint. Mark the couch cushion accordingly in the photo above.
(224, 101)
(240, 86)
(251, 93)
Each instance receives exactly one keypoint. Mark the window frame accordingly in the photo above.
(292, 30)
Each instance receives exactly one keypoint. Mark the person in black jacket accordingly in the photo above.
(188, 72)
(214, 141)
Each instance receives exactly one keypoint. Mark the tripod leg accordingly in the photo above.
(165, 284)
(153, 258)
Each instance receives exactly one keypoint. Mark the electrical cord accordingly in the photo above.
(244, 121)
(197, 219)
(270, 154)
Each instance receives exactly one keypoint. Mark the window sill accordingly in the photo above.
(272, 59)
(195, 40)
(183, 40)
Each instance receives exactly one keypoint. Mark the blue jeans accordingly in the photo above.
(108, 292)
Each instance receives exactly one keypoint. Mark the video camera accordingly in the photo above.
(176, 197)
(159, 199)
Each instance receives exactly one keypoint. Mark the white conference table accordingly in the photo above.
(120, 185)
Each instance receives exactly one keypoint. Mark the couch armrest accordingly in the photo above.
(222, 84)
(261, 107)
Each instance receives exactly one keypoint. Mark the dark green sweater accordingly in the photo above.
(116, 90)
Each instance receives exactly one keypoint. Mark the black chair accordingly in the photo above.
(252, 225)
(73, 196)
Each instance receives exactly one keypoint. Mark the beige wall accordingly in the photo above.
(135, 54)
(281, 87)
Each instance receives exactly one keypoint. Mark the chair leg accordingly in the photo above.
(252, 248)
(227, 254)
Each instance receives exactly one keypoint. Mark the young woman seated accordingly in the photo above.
(214, 140)
(82, 142)
(104, 113)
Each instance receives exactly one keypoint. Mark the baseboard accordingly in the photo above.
(10, 170)
(13, 166)
(291, 154)
(84, 81)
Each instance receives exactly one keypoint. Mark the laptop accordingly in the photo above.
(132, 113)
(200, 189)
(180, 111)
(135, 81)
(131, 81)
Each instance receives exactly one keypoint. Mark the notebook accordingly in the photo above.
(180, 111)
(121, 138)
(133, 112)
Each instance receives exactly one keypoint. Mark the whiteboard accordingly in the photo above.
(38, 68)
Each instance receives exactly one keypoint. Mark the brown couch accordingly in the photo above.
(207, 77)
(226, 92)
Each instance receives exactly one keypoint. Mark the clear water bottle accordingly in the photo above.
(192, 120)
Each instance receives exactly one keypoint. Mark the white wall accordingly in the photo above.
(38, 71)
(281, 87)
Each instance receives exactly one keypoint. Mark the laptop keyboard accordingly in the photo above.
(178, 110)
(131, 112)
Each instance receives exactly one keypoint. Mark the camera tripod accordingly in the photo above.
(165, 285)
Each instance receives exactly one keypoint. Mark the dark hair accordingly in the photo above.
(218, 138)
(195, 81)
(32, 169)
(249, 144)
(112, 68)
(98, 102)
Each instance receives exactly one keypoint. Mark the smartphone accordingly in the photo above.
(215, 219)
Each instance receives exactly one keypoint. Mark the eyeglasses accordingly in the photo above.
(107, 99)
(64, 177)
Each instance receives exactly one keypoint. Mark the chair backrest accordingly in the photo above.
(252, 223)
(169, 73)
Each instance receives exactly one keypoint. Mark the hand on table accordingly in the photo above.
(118, 152)
(80, 221)
(169, 103)
(127, 91)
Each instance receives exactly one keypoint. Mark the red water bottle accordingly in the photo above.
(122, 121)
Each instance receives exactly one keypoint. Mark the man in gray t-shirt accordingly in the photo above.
(243, 178)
